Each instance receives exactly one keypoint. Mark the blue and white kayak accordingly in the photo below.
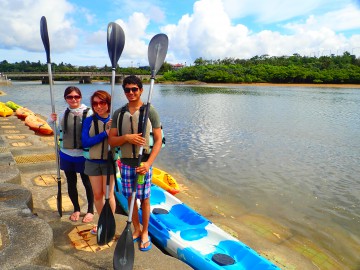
(190, 237)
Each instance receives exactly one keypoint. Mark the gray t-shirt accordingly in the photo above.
(155, 122)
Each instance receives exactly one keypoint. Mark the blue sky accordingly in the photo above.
(211, 29)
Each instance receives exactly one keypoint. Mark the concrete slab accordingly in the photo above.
(30, 240)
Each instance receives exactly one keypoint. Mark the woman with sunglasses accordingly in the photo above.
(126, 134)
(95, 142)
(71, 156)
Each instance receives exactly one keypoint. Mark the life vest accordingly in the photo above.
(70, 132)
(132, 124)
(100, 150)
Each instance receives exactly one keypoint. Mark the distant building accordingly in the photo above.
(4, 80)
(177, 66)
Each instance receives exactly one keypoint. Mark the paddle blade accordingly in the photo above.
(115, 42)
(106, 225)
(59, 199)
(124, 253)
(157, 51)
(45, 37)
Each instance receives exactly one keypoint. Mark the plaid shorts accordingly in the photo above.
(128, 176)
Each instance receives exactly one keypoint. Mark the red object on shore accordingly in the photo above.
(23, 112)
(38, 125)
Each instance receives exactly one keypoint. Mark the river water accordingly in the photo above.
(288, 153)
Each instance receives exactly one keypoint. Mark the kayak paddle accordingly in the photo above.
(106, 222)
(124, 253)
(45, 40)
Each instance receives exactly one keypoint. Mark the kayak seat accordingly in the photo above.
(157, 197)
(187, 215)
(193, 234)
(180, 217)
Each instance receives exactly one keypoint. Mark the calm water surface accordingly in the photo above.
(288, 153)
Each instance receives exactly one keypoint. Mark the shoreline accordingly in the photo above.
(198, 83)
(271, 239)
(267, 84)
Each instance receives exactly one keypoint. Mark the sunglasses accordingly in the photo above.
(133, 89)
(102, 103)
(69, 97)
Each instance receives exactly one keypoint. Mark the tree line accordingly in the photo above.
(343, 69)
(265, 69)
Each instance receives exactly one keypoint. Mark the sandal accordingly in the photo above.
(136, 239)
(88, 218)
(144, 243)
(94, 230)
(75, 216)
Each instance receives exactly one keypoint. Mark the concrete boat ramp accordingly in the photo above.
(32, 234)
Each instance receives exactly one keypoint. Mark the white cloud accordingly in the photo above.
(20, 24)
(214, 29)
(209, 33)
(266, 11)
(135, 49)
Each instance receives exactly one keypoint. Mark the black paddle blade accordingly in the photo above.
(115, 42)
(59, 199)
(45, 37)
(124, 253)
(157, 50)
(106, 225)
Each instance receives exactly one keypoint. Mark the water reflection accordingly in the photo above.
(200, 90)
(288, 153)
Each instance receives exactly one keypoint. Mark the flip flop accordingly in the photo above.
(88, 218)
(148, 247)
(136, 239)
(94, 230)
(74, 216)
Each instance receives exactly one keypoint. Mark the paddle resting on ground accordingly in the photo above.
(45, 39)
(106, 223)
(124, 253)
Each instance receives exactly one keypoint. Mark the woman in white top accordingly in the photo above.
(71, 156)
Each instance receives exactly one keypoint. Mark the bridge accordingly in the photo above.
(83, 77)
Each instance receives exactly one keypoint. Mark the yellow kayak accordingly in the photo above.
(5, 110)
(162, 179)
(165, 181)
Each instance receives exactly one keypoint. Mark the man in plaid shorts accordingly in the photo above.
(125, 133)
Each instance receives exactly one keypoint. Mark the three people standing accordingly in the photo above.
(124, 131)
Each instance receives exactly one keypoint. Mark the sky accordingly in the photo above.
(211, 29)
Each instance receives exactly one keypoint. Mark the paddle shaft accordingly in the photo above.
(133, 195)
(58, 178)
(54, 123)
(124, 252)
(115, 44)
(45, 38)
(109, 148)
(156, 53)
(106, 222)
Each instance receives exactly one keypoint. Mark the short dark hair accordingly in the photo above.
(132, 79)
(69, 89)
